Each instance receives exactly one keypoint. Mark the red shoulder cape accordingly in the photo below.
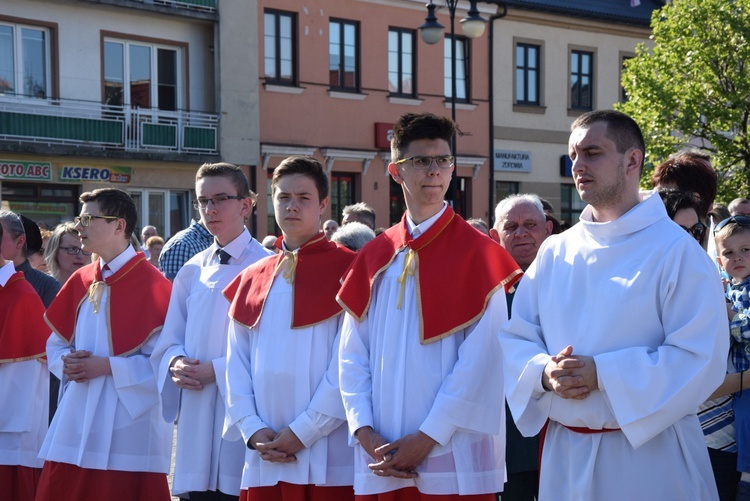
(317, 278)
(458, 269)
(23, 333)
(136, 307)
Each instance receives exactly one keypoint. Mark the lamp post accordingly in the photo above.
(473, 26)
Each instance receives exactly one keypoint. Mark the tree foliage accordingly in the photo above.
(692, 88)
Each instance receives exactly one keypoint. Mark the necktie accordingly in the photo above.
(223, 256)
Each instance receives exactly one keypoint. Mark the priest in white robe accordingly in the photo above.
(618, 333)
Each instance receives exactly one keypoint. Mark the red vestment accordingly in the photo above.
(137, 303)
(23, 333)
(317, 274)
(457, 271)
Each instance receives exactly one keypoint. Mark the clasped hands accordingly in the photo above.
(275, 447)
(570, 376)
(191, 374)
(81, 365)
(398, 458)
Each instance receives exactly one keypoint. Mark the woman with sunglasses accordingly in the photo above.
(682, 208)
(63, 252)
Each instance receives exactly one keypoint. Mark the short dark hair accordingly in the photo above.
(412, 126)
(114, 202)
(307, 166)
(230, 171)
(689, 170)
(621, 129)
(675, 201)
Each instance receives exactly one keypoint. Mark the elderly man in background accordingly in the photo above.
(520, 228)
(359, 212)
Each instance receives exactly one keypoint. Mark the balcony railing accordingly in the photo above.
(113, 127)
(201, 5)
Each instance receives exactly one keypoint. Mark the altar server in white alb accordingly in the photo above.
(107, 439)
(190, 357)
(283, 393)
(24, 385)
(618, 333)
(420, 369)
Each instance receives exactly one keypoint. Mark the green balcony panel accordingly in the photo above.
(159, 135)
(199, 138)
(90, 130)
(201, 3)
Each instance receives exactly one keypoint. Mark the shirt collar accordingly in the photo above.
(236, 246)
(415, 230)
(6, 272)
(117, 262)
(201, 229)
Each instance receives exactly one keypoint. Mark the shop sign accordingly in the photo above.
(25, 171)
(383, 135)
(76, 174)
(512, 161)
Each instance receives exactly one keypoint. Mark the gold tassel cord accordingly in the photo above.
(408, 271)
(96, 290)
(291, 267)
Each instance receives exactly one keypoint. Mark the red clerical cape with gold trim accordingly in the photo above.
(23, 333)
(137, 303)
(457, 270)
(320, 264)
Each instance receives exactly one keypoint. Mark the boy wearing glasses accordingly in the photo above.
(733, 255)
(283, 394)
(107, 436)
(190, 356)
(419, 363)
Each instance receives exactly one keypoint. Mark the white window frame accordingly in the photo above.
(153, 47)
(18, 74)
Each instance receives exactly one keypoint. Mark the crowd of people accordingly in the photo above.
(532, 361)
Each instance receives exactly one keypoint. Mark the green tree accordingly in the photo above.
(692, 88)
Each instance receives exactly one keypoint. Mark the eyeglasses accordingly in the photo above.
(697, 231)
(741, 220)
(202, 203)
(74, 251)
(85, 220)
(424, 162)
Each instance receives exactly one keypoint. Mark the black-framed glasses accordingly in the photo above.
(421, 162)
(202, 203)
(74, 251)
(697, 231)
(741, 220)
(85, 219)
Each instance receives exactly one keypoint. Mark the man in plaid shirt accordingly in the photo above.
(181, 247)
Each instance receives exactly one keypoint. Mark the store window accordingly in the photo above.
(342, 193)
(24, 61)
(168, 210)
(504, 189)
(571, 204)
(46, 204)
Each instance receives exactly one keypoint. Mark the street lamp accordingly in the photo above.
(431, 31)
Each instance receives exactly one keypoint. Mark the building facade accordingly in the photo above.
(553, 61)
(138, 93)
(111, 93)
